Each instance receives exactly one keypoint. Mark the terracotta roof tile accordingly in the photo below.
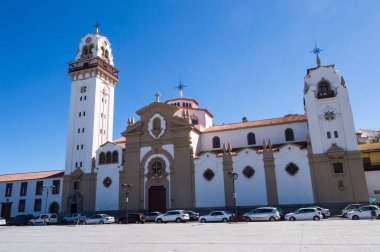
(259, 123)
(120, 140)
(31, 175)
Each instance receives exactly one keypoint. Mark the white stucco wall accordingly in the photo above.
(194, 136)
(30, 196)
(209, 193)
(250, 191)
(238, 138)
(295, 189)
(373, 184)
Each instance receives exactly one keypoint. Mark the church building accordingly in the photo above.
(176, 158)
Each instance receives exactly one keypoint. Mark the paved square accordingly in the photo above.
(325, 235)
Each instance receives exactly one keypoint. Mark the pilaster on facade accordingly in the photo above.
(270, 176)
(228, 183)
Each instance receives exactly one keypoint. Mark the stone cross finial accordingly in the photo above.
(157, 96)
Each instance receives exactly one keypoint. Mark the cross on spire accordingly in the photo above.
(157, 94)
(97, 27)
(180, 87)
(317, 51)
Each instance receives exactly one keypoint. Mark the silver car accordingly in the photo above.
(349, 208)
(100, 219)
(263, 214)
(151, 216)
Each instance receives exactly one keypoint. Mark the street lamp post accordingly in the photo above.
(47, 189)
(234, 176)
(127, 189)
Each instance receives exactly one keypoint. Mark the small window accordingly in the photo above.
(248, 172)
(338, 168)
(80, 98)
(24, 188)
(328, 135)
(76, 185)
(102, 158)
(292, 169)
(216, 142)
(37, 205)
(115, 157)
(108, 157)
(82, 130)
(76, 164)
(39, 187)
(84, 113)
(324, 90)
(81, 147)
(289, 135)
(80, 114)
(21, 205)
(78, 130)
(80, 164)
(336, 134)
(77, 146)
(251, 138)
(85, 97)
(56, 186)
(208, 174)
(8, 190)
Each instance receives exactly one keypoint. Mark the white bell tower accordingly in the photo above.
(93, 80)
(328, 110)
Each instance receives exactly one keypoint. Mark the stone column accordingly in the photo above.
(270, 176)
(228, 188)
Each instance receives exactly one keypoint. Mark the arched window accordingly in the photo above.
(324, 90)
(289, 135)
(102, 158)
(106, 55)
(102, 48)
(216, 142)
(115, 157)
(108, 157)
(84, 50)
(90, 47)
(251, 138)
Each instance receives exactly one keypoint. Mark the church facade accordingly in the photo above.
(175, 157)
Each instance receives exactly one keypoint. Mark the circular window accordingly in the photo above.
(248, 172)
(107, 182)
(208, 174)
(88, 40)
(292, 169)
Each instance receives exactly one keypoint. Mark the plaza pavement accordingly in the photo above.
(324, 235)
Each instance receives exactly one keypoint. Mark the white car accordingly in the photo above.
(263, 214)
(215, 216)
(308, 213)
(100, 219)
(365, 212)
(349, 208)
(324, 211)
(173, 215)
(44, 219)
(2, 222)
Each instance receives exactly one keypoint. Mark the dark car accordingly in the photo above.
(193, 215)
(20, 220)
(133, 218)
(151, 216)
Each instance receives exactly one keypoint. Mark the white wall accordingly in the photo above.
(373, 183)
(250, 191)
(209, 193)
(30, 196)
(295, 189)
(238, 138)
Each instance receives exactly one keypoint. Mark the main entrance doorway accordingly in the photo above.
(157, 198)
(6, 209)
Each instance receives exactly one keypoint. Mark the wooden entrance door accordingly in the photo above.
(6, 209)
(157, 198)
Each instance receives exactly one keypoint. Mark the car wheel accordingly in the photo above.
(292, 219)
(355, 217)
(159, 221)
(136, 222)
(224, 220)
(316, 218)
(247, 219)
(101, 222)
(272, 219)
(203, 220)
(178, 220)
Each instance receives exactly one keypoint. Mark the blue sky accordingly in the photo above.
(238, 58)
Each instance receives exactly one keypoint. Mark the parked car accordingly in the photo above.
(151, 216)
(74, 218)
(263, 214)
(308, 213)
(20, 220)
(282, 213)
(365, 212)
(174, 215)
(133, 218)
(100, 219)
(324, 211)
(193, 215)
(216, 216)
(2, 222)
(44, 219)
(349, 208)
